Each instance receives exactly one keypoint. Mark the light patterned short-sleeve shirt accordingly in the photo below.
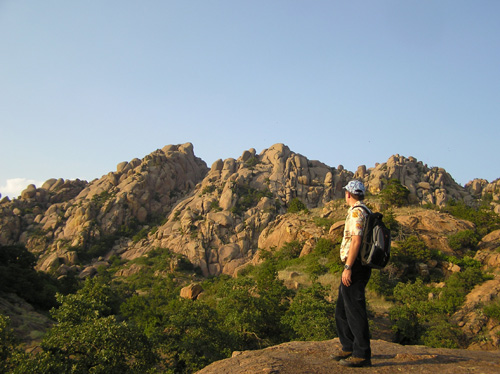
(354, 224)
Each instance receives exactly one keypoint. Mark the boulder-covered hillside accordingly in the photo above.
(248, 249)
(217, 217)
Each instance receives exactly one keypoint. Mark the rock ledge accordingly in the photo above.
(314, 357)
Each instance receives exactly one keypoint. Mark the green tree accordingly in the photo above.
(310, 316)
(410, 312)
(412, 250)
(492, 309)
(296, 206)
(443, 334)
(381, 283)
(87, 338)
(463, 240)
(485, 219)
(100, 345)
(18, 275)
(253, 306)
(7, 343)
(242, 310)
(394, 193)
(458, 285)
(390, 221)
(289, 251)
(191, 335)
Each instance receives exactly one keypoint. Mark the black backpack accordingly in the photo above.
(375, 249)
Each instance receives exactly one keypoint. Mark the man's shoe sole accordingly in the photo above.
(341, 357)
(360, 364)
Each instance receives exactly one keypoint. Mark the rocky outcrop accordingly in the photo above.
(72, 216)
(432, 227)
(474, 322)
(217, 217)
(289, 228)
(480, 188)
(426, 185)
(470, 317)
(191, 291)
(387, 358)
(489, 251)
(19, 218)
(218, 226)
(28, 324)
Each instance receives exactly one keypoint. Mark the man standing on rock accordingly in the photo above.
(351, 315)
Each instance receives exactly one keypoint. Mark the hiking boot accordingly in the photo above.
(341, 355)
(356, 362)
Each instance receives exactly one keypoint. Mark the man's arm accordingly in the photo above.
(353, 254)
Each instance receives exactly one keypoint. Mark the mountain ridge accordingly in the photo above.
(214, 216)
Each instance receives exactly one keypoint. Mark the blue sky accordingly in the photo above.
(85, 85)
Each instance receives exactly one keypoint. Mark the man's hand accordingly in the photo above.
(353, 253)
(346, 277)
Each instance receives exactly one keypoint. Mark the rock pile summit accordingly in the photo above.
(217, 217)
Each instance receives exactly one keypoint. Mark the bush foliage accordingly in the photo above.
(296, 206)
(394, 193)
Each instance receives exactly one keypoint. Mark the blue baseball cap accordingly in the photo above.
(355, 187)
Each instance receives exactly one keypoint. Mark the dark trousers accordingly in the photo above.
(351, 316)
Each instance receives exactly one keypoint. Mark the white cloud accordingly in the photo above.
(13, 187)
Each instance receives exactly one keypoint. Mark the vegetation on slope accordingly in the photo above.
(139, 324)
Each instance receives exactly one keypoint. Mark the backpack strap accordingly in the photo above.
(368, 212)
(365, 208)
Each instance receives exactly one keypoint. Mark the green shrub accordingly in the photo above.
(142, 234)
(443, 334)
(315, 269)
(310, 317)
(324, 247)
(484, 219)
(410, 312)
(296, 206)
(98, 248)
(248, 197)
(214, 205)
(390, 221)
(289, 250)
(325, 223)
(252, 162)
(381, 283)
(412, 249)
(467, 279)
(464, 262)
(466, 239)
(492, 310)
(324, 258)
(177, 215)
(100, 199)
(394, 193)
(335, 265)
(208, 189)
(458, 285)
